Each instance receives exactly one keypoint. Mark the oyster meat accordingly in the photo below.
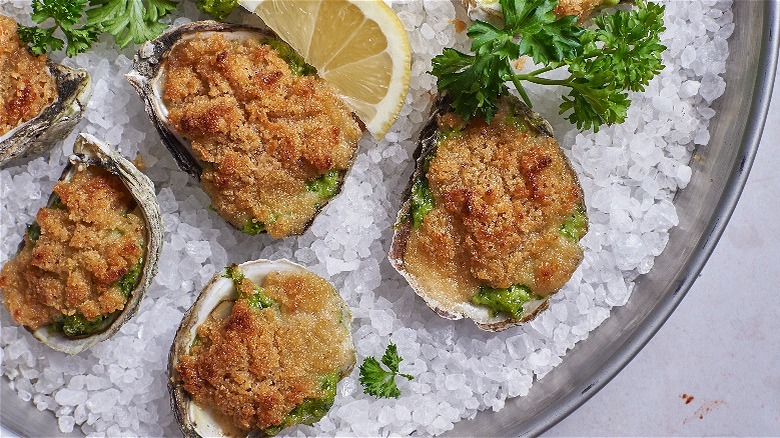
(492, 218)
(261, 349)
(87, 260)
(269, 141)
(56, 120)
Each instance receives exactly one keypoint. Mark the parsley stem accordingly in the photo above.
(542, 70)
(542, 81)
(521, 90)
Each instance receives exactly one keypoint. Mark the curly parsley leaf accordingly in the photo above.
(40, 40)
(66, 15)
(82, 21)
(622, 53)
(378, 382)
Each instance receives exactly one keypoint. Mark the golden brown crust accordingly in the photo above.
(83, 250)
(263, 131)
(256, 365)
(581, 8)
(501, 193)
(26, 87)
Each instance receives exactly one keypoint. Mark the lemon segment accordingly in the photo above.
(359, 47)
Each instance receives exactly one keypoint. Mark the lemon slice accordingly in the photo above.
(358, 46)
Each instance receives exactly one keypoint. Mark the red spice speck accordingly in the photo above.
(686, 398)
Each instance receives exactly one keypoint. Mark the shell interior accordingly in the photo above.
(55, 122)
(479, 314)
(89, 151)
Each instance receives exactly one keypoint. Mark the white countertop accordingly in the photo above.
(721, 347)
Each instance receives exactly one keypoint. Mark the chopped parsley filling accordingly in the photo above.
(325, 186)
(128, 281)
(257, 299)
(291, 57)
(252, 227)
(77, 325)
(34, 231)
(504, 300)
(310, 410)
(421, 202)
(576, 225)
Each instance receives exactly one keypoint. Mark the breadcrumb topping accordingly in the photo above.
(86, 245)
(26, 86)
(262, 131)
(501, 194)
(256, 365)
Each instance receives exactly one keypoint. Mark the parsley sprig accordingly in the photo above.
(378, 382)
(66, 15)
(82, 21)
(622, 52)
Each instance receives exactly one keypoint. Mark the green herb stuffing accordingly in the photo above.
(57, 204)
(128, 281)
(258, 299)
(232, 272)
(293, 59)
(310, 410)
(325, 186)
(252, 227)
(509, 300)
(622, 52)
(34, 231)
(575, 226)
(77, 325)
(82, 21)
(421, 202)
(219, 9)
(378, 382)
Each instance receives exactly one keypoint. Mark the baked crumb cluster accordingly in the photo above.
(88, 241)
(255, 366)
(501, 194)
(26, 86)
(262, 131)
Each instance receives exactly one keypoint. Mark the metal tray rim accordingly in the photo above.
(769, 54)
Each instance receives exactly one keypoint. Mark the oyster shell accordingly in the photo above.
(89, 151)
(427, 145)
(215, 300)
(147, 76)
(55, 122)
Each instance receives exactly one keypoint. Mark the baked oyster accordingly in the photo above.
(86, 261)
(270, 142)
(492, 217)
(42, 100)
(490, 10)
(262, 349)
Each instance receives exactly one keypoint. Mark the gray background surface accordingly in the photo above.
(722, 344)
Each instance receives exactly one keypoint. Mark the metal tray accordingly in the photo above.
(705, 208)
